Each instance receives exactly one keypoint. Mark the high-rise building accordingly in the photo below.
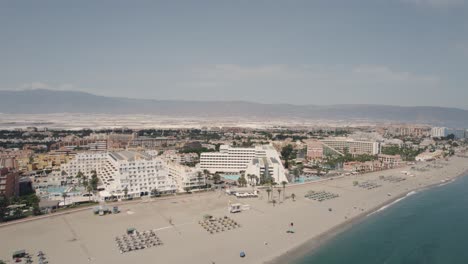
(439, 132)
(351, 146)
(136, 173)
(236, 160)
(314, 149)
(185, 177)
(9, 183)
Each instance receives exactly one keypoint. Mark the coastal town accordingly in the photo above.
(179, 176)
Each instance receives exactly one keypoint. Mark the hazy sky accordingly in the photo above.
(400, 52)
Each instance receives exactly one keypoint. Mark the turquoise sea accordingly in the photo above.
(429, 227)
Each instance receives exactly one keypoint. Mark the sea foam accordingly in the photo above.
(392, 203)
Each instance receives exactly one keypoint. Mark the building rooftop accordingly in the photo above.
(128, 155)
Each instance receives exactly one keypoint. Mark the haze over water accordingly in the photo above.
(428, 227)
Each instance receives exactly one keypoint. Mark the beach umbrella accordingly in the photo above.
(242, 254)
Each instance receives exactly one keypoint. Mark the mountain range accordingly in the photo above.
(40, 101)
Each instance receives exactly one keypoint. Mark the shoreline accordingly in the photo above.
(313, 244)
(263, 234)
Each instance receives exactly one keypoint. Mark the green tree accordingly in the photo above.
(155, 192)
(3, 207)
(206, 173)
(79, 176)
(125, 190)
(199, 177)
(36, 209)
(279, 194)
(64, 196)
(94, 180)
(89, 189)
(293, 196)
(242, 181)
(268, 190)
(284, 188)
(216, 178)
(286, 153)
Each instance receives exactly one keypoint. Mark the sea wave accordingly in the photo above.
(392, 203)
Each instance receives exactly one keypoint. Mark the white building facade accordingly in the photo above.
(354, 147)
(134, 173)
(185, 177)
(439, 132)
(84, 162)
(249, 160)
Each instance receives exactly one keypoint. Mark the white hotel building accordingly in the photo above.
(185, 177)
(84, 162)
(137, 172)
(354, 147)
(256, 160)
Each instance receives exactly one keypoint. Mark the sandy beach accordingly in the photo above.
(82, 237)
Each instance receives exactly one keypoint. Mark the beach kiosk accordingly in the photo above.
(131, 231)
(235, 208)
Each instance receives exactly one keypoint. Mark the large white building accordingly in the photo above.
(354, 147)
(185, 177)
(439, 132)
(136, 172)
(84, 162)
(249, 160)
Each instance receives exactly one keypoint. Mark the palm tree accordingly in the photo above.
(279, 195)
(154, 192)
(125, 190)
(64, 196)
(85, 182)
(89, 188)
(293, 196)
(242, 181)
(206, 173)
(216, 178)
(199, 178)
(79, 176)
(268, 192)
(284, 188)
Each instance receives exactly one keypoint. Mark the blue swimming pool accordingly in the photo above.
(231, 177)
(302, 179)
(56, 189)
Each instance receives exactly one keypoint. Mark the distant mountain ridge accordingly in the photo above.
(50, 101)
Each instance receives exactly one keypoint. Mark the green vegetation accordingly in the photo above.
(196, 150)
(29, 202)
(242, 181)
(334, 161)
(288, 153)
(406, 153)
(216, 178)
(3, 207)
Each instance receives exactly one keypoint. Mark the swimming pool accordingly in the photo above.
(231, 177)
(302, 179)
(56, 189)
